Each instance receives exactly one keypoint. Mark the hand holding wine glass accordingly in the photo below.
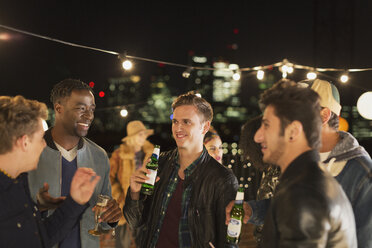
(98, 210)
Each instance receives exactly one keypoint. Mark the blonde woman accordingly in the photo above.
(132, 153)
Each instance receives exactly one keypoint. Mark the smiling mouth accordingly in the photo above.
(180, 136)
(83, 124)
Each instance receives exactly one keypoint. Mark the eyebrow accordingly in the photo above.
(81, 103)
(181, 119)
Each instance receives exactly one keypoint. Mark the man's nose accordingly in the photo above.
(258, 136)
(88, 114)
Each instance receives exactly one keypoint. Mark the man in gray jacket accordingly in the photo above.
(67, 149)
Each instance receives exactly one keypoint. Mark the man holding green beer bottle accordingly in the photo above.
(187, 208)
(309, 207)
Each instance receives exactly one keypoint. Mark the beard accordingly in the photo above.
(276, 154)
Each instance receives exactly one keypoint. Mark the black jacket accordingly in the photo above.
(213, 187)
(309, 209)
(21, 224)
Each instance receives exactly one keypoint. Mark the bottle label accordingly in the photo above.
(151, 176)
(156, 152)
(239, 196)
(234, 228)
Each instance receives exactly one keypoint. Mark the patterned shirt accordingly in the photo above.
(184, 231)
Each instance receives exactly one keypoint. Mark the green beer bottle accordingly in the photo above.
(236, 221)
(148, 186)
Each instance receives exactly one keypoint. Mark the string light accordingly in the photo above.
(344, 78)
(236, 75)
(124, 112)
(285, 66)
(187, 72)
(311, 75)
(260, 74)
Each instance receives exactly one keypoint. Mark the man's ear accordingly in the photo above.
(207, 125)
(58, 107)
(22, 143)
(294, 130)
(325, 114)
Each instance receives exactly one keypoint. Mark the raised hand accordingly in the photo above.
(46, 201)
(247, 212)
(83, 184)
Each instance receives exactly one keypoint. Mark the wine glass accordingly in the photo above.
(100, 205)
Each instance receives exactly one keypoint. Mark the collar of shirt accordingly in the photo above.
(68, 155)
(191, 168)
(184, 231)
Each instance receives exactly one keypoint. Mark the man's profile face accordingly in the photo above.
(269, 137)
(77, 112)
(187, 126)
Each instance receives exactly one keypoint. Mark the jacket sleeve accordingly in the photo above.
(362, 211)
(106, 190)
(259, 209)
(226, 194)
(301, 219)
(133, 210)
(63, 219)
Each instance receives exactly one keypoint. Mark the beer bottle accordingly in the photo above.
(236, 221)
(148, 186)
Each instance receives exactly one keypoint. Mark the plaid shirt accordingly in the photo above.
(184, 237)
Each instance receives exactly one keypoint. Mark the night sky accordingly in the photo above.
(319, 33)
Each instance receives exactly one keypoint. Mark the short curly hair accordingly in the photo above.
(18, 117)
(65, 87)
(190, 98)
(292, 102)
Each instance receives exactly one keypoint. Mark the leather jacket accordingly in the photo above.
(213, 187)
(309, 209)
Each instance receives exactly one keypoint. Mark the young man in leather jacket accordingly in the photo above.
(309, 207)
(187, 208)
(345, 159)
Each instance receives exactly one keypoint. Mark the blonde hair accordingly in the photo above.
(18, 117)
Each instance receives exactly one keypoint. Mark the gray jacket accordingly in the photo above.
(49, 170)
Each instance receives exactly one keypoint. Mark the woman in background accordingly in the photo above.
(213, 143)
(270, 173)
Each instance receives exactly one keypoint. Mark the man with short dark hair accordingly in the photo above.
(187, 208)
(309, 207)
(345, 159)
(22, 139)
(67, 149)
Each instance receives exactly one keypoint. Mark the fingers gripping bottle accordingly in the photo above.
(148, 186)
(237, 214)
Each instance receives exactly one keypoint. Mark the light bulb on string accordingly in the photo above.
(236, 75)
(344, 78)
(260, 74)
(286, 68)
(127, 64)
(311, 75)
(123, 112)
(187, 73)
